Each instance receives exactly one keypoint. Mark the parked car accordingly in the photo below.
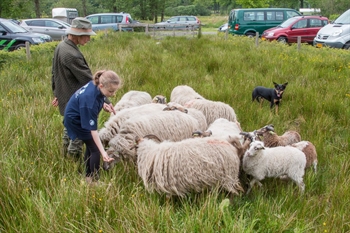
(107, 21)
(336, 34)
(185, 21)
(13, 36)
(288, 32)
(249, 21)
(223, 28)
(52, 27)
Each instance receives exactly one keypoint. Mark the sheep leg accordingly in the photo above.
(251, 184)
(315, 166)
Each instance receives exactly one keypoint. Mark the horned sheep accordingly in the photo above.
(261, 162)
(190, 165)
(271, 139)
(166, 125)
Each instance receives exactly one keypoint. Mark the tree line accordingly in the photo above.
(157, 10)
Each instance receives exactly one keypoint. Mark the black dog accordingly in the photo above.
(274, 95)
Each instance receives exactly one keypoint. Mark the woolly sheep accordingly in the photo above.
(166, 125)
(190, 165)
(212, 110)
(183, 93)
(137, 98)
(222, 127)
(271, 139)
(112, 125)
(261, 162)
(310, 153)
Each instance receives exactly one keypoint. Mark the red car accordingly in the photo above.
(304, 26)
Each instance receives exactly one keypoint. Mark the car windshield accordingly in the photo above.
(14, 28)
(287, 23)
(344, 18)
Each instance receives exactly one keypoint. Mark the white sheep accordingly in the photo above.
(261, 162)
(222, 127)
(166, 125)
(112, 125)
(271, 139)
(310, 152)
(212, 110)
(190, 165)
(183, 93)
(137, 98)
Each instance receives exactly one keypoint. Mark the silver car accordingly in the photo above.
(185, 21)
(336, 34)
(110, 21)
(52, 27)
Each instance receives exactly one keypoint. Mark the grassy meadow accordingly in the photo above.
(42, 191)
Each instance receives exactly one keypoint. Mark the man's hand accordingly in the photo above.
(109, 108)
(55, 102)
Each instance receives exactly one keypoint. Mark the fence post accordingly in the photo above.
(257, 39)
(28, 50)
(299, 42)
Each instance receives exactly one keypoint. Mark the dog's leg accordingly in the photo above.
(276, 109)
(261, 101)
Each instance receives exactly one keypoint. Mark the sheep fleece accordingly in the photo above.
(178, 168)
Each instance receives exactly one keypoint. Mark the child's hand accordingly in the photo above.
(109, 108)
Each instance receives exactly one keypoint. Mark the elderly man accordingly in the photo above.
(70, 71)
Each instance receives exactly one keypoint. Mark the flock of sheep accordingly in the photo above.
(191, 143)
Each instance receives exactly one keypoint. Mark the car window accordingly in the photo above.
(291, 14)
(324, 22)
(274, 15)
(191, 19)
(174, 19)
(316, 23)
(259, 16)
(107, 19)
(53, 24)
(93, 19)
(248, 16)
(344, 18)
(2, 28)
(38, 23)
(14, 28)
(183, 19)
(301, 24)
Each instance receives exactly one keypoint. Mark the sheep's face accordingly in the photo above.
(265, 129)
(109, 165)
(200, 134)
(252, 136)
(159, 99)
(254, 148)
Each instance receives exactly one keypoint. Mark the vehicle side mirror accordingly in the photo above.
(168, 21)
(61, 27)
(3, 32)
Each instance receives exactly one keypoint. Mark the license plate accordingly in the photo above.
(318, 45)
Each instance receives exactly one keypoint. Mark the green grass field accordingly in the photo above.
(41, 191)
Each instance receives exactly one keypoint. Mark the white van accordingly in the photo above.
(336, 34)
(64, 14)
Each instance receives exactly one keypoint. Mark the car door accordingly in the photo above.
(56, 30)
(299, 28)
(35, 26)
(314, 26)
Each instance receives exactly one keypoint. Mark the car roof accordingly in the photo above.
(310, 16)
(114, 13)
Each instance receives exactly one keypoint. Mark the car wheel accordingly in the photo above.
(347, 45)
(20, 46)
(250, 34)
(282, 40)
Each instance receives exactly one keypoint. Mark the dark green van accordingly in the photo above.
(252, 20)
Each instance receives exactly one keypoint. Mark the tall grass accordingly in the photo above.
(41, 191)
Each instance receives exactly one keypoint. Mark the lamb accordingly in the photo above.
(260, 162)
(212, 109)
(271, 139)
(112, 125)
(183, 93)
(190, 165)
(310, 153)
(166, 125)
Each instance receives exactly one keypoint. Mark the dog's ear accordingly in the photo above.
(285, 84)
(275, 84)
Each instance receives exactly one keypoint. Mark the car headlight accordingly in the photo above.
(337, 32)
(38, 40)
(270, 34)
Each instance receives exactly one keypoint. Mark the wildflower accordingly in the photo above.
(99, 231)
(324, 224)
(348, 95)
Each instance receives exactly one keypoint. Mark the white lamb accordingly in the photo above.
(271, 139)
(166, 125)
(261, 162)
(183, 93)
(222, 127)
(190, 165)
(310, 153)
(212, 109)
